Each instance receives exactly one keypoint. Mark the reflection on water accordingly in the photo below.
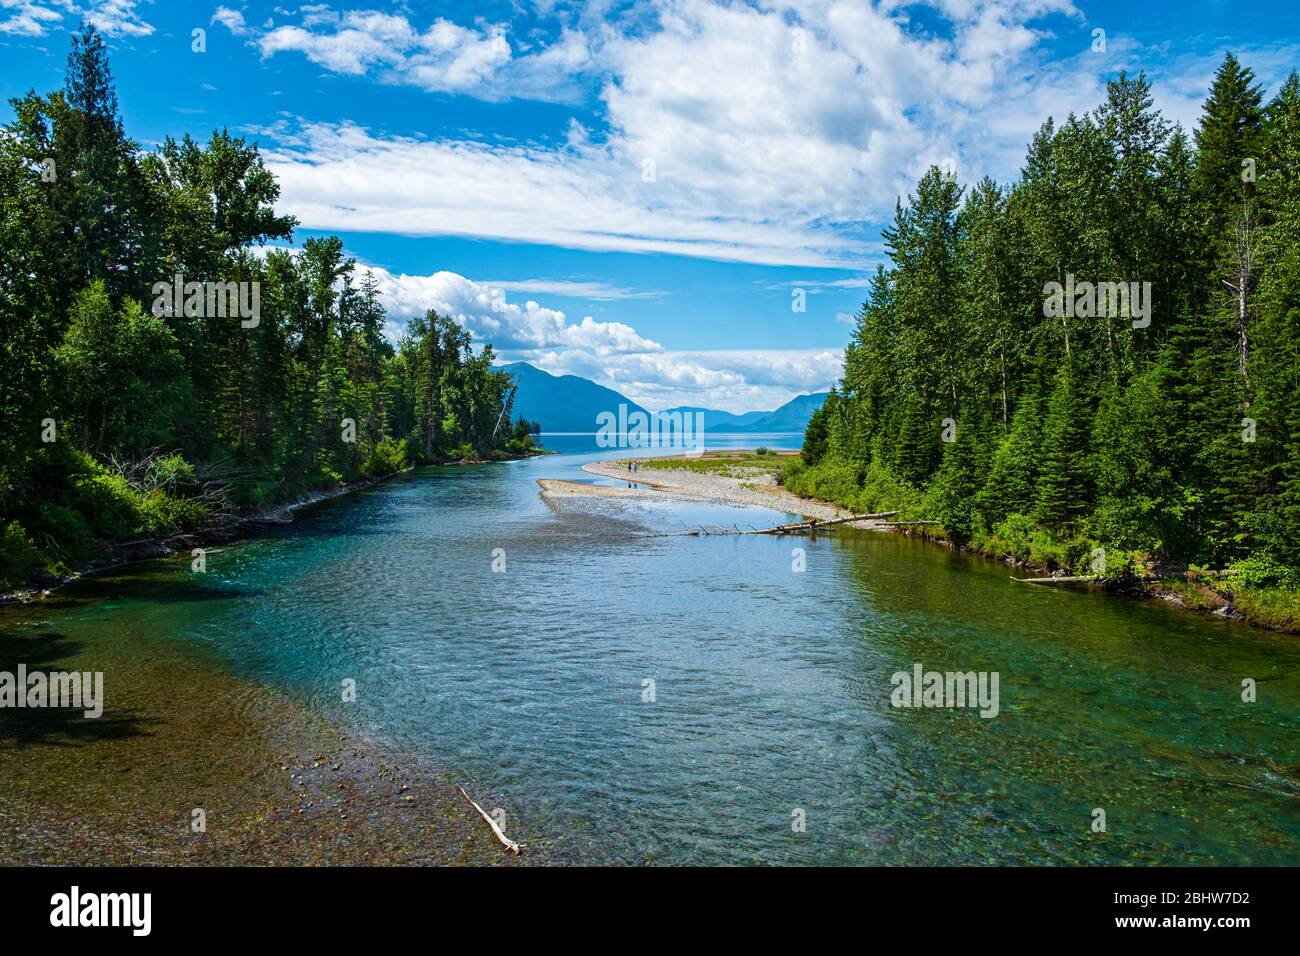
(771, 687)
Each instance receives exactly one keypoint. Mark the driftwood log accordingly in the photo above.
(1061, 580)
(813, 524)
(506, 842)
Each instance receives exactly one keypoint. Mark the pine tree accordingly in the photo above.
(1062, 492)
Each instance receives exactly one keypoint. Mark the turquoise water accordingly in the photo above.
(772, 688)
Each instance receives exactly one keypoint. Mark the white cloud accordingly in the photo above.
(34, 17)
(610, 353)
(30, 17)
(443, 57)
(595, 291)
(341, 177)
(232, 20)
(487, 313)
(116, 18)
(773, 131)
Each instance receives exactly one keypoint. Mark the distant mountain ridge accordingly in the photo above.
(570, 403)
(562, 403)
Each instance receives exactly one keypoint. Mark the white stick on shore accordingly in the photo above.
(506, 842)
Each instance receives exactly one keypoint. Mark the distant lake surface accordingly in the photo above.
(771, 687)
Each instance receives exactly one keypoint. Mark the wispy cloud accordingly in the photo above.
(343, 177)
(593, 290)
(764, 134)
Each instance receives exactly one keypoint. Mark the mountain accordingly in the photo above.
(568, 403)
(562, 403)
(719, 421)
(791, 417)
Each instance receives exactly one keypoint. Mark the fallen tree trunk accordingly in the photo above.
(1052, 580)
(814, 523)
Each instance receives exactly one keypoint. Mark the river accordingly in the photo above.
(770, 737)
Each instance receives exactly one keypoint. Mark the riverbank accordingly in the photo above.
(719, 477)
(745, 477)
(191, 765)
(118, 554)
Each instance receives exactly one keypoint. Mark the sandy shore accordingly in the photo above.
(745, 485)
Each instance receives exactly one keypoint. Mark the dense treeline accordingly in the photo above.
(971, 397)
(125, 413)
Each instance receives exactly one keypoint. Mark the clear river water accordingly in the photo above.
(771, 738)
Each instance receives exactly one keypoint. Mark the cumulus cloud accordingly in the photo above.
(485, 311)
(765, 133)
(30, 17)
(232, 20)
(611, 353)
(116, 18)
(443, 56)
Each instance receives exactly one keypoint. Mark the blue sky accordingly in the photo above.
(631, 191)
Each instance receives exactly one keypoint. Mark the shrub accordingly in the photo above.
(173, 474)
(109, 502)
(67, 528)
(463, 452)
(1262, 571)
(19, 558)
(385, 458)
(161, 513)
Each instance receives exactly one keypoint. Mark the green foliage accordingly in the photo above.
(1261, 571)
(172, 473)
(111, 508)
(1276, 608)
(386, 457)
(166, 417)
(66, 533)
(815, 436)
(19, 558)
(1172, 437)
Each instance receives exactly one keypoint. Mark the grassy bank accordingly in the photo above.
(1253, 591)
(94, 514)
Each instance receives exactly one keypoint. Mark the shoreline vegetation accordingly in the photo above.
(259, 377)
(760, 478)
(1093, 368)
(114, 555)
